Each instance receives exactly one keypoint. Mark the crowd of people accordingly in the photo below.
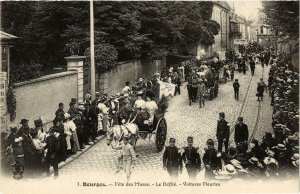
(275, 157)
(36, 149)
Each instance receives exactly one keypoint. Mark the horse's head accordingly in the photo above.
(113, 134)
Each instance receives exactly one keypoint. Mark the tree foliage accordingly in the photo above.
(49, 31)
(283, 16)
(105, 57)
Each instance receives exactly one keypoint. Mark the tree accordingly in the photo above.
(50, 31)
(282, 16)
(106, 56)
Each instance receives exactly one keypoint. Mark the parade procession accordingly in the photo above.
(143, 98)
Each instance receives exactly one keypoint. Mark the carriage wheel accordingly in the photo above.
(161, 134)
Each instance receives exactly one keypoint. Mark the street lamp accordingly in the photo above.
(92, 50)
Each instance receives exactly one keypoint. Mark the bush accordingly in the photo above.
(106, 57)
(24, 71)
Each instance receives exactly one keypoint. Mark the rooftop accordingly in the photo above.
(6, 36)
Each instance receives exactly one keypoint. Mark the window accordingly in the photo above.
(261, 29)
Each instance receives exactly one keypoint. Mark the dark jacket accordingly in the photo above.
(191, 157)
(236, 85)
(210, 158)
(60, 113)
(252, 64)
(172, 158)
(241, 133)
(53, 148)
(223, 130)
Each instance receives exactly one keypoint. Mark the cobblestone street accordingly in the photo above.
(183, 121)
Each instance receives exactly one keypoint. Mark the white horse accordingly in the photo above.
(116, 133)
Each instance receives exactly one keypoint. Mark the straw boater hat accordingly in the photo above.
(253, 160)
(140, 93)
(296, 163)
(281, 147)
(236, 164)
(270, 160)
(230, 169)
(295, 156)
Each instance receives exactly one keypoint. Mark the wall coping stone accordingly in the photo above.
(46, 77)
(75, 58)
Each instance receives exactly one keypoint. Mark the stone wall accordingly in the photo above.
(113, 81)
(40, 97)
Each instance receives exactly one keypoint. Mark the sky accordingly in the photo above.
(248, 9)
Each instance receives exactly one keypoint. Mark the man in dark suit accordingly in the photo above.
(191, 158)
(252, 66)
(52, 156)
(236, 88)
(210, 159)
(222, 132)
(241, 132)
(60, 111)
(29, 151)
(24, 123)
(172, 161)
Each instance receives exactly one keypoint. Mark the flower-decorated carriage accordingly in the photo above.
(142, 122)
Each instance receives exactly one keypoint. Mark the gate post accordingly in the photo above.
(75, 63)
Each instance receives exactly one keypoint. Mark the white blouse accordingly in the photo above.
(140, 104)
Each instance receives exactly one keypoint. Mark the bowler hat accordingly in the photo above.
(210, 142)
(38, 122)
(240, 119)
(190, 139)
(73, 100)
(127, 83)
(222, 114)
(23, 121)
(172, 140)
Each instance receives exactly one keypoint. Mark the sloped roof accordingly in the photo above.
(6, 36)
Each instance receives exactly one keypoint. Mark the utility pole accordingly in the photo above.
(93, 88)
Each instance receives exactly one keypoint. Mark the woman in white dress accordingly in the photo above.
(140, 103)
(151, 106)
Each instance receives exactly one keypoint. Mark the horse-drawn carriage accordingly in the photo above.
(135, 124)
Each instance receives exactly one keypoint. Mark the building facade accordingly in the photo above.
(220, 14)
(265, 36)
